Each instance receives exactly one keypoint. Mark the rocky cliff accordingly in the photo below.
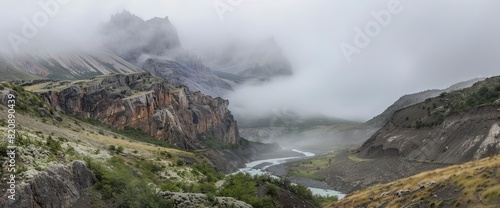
(139, 100)
(56, 186)
(454, 127)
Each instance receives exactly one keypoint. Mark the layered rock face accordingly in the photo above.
(454, 127)
(139, 100)
(462, 137)
(56, 186)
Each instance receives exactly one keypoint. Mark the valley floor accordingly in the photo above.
(346, 173)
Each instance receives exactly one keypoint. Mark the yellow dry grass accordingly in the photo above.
(473, 178)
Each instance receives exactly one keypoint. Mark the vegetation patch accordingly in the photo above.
(117, 180)
(131, 133)
(311, 168)
(213, 142)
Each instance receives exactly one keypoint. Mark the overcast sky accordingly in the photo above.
(425, 45)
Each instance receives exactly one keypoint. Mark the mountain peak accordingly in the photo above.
(159, 20)
(125, 17)
(129, 36)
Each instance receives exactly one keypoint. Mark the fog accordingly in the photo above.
(423, 45)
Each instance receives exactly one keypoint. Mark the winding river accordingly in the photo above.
(252, 170)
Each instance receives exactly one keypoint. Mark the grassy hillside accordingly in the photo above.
(473, 184)
(433, 111)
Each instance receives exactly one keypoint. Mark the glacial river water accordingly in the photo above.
(275, 161)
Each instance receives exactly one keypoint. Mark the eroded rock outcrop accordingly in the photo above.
(462, 137)
(56, 186)
(455, 127)
(139, 100)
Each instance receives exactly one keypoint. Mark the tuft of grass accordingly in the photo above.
(311, 168)
(491, 194)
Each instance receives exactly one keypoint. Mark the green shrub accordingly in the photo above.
(3, 149)
(207, 188)
(70, 151)
(497, 88)
(166, 154)
(138, 195)
(121, 183)
(179, 162)
(272, 190)
(151, 166)
(119, 149)
(53, 145)
(242, 187)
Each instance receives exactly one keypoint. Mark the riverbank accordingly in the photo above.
(260, 167)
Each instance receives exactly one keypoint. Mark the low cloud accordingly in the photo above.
(430, 44)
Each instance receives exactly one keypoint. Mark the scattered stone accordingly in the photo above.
(402, 192)
(385, 194)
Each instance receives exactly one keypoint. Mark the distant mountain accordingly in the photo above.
(259, 61)
(130, 37)
(337, 132)
(195, 76)
(154, 46)
(68, 65)
(10, 71)
(131, 44)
